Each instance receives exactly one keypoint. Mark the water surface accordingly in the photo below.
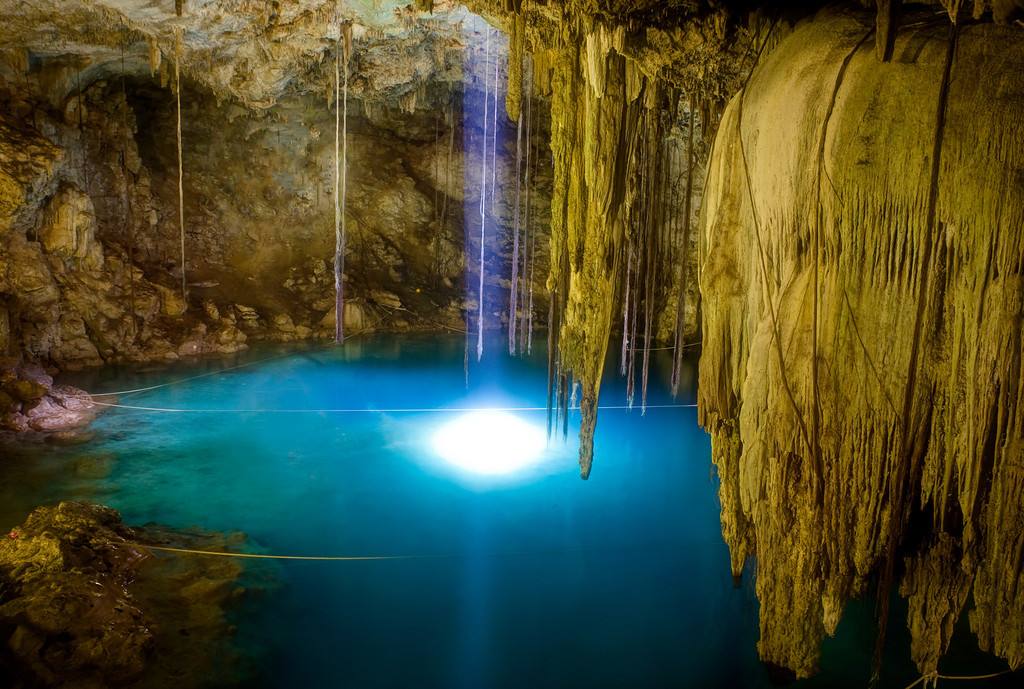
(533, 578)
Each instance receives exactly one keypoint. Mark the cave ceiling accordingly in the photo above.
(252, 52)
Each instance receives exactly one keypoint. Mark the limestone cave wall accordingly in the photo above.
(90, 254)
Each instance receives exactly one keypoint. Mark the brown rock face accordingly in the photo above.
(863, 292)
(90, 243)
(30, 401)
(82, 605)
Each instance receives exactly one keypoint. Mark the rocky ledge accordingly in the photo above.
(30, 401)
(83, 604)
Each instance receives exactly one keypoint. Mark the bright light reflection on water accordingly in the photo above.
(490, 442)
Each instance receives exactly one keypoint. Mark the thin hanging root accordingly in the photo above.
(624, 354)
(494, 137)
(448, 170)
(128, 201)
(483, 210)
(514, 289)
(524, 273)
(181, 187)
(634, 302)
(533, 249)
(529, 322)
(340, 172)
(651, 248)
(436, 242)
(553, 326)
(339, 308)
(563, 389)
(81, 132)
(677, 358)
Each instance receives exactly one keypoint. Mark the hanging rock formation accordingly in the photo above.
(862, 277)
(614, 87)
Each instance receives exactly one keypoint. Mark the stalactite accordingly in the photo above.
(155, 56)
(916, 336)
(181, 172)
(596, 106)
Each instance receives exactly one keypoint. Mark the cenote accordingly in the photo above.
(532, 343)
(503, 576)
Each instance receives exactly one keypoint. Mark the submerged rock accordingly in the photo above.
(83, 604)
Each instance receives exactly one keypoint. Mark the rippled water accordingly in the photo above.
(532, 578)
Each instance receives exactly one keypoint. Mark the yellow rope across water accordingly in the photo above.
(258, 556)
(208, 374)
(932, 678)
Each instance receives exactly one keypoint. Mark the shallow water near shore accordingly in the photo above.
(510, 576)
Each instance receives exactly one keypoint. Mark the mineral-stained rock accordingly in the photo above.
(82, 604)
(68, 229)
(30, 400)
(65, 573)
(862, 318)
(25, 391)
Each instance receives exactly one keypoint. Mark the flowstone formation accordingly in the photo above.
(83, 604)
(862, 277)
(860, 285)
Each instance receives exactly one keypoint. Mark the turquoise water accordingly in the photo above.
(532, 578)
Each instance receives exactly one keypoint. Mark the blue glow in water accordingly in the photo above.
(530, 576)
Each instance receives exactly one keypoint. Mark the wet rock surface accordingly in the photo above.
(83, 604)
(30, 401)
(861, 372)
(90, 258)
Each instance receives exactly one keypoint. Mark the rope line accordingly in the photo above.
(208, 374)
(358, 410)
(933, 678)
(366, 558)
(258, 556)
